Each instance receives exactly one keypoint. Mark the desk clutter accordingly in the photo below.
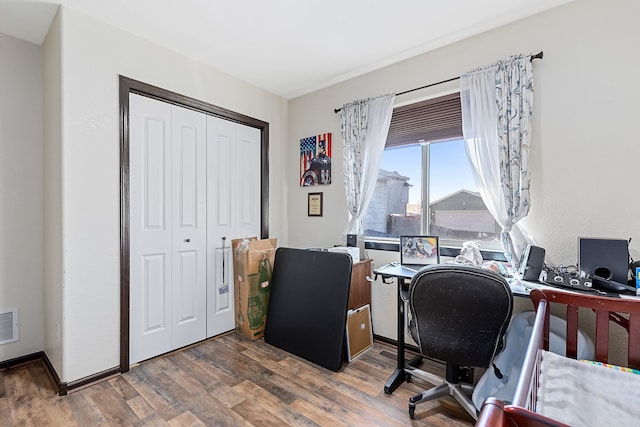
(603, 267)
(561, 277)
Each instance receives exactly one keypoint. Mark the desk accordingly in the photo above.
(402, 274)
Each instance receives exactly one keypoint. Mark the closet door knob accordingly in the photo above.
(187, 240)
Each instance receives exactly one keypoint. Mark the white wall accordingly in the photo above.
(585, 147)
(93, 54)
(21, 192)
(53, 247)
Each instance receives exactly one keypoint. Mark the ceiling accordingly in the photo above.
(288, 47)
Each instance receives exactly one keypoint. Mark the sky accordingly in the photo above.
(450, 169)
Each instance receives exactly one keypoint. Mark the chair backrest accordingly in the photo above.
(460, 313)
(623, 311)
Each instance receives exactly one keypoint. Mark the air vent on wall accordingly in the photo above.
(8, 325)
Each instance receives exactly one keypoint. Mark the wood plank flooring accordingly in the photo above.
(228, 381)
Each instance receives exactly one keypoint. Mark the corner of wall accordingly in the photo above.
(53, 258)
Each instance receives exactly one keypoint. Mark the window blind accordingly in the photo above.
(430, 120)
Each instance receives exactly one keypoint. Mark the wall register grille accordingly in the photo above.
(8, 325)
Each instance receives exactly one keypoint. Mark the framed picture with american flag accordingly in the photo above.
(315, 160)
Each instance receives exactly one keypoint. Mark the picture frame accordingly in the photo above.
(315, 160)
(314, 204)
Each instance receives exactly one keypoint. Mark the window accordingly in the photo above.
(425, 183)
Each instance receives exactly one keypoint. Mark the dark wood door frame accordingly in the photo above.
(128, 86)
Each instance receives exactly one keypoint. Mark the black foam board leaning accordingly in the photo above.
(308, 304)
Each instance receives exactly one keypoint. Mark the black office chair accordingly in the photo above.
(460, 314)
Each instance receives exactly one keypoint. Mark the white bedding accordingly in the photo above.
(583, 395)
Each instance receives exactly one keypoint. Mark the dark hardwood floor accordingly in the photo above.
(227, 381)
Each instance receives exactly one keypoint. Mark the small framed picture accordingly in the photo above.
(314, 204)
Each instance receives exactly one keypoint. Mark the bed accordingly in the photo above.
(560, 391)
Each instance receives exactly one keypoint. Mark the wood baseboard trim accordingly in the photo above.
(61, 388)
(91, 379)
(7, 364)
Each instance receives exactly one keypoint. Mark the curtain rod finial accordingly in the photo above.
(538, 55)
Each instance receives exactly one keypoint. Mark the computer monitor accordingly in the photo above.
(418, 251)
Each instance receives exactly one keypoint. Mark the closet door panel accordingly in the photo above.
(233, 187)
(222, 173)
(150, 228)
(188, 226)
(248, 196)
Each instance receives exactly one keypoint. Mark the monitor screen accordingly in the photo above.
(419, 250)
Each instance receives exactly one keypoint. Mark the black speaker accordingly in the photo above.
(352, 240)
(605, 258)
(531, 263)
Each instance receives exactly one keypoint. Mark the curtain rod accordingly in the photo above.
(536, 56)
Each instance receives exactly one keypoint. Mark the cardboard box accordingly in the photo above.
(252, 268)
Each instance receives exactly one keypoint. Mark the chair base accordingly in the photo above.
(461, 392)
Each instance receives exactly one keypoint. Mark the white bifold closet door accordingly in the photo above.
(195, 185)
(233, 194)
(167, 227)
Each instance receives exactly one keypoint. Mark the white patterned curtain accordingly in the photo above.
(497, 104)
(365, 125)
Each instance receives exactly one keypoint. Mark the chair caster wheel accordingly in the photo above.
(412, 412)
